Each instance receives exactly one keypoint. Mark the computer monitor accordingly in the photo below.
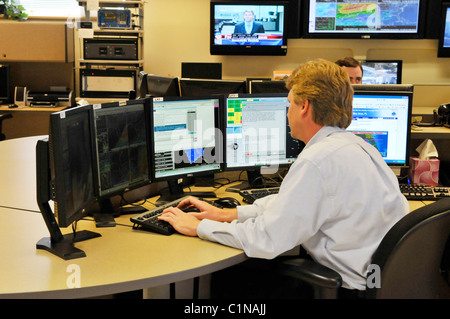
(121, 154)
(382, 71)
(201, 70)
(266, 36)
(260, 86)
(158, 85)
(186, 140)
(65, 175)
(444, 36)
(388, 19)
(257, 134)
(5, 95)
(206, 87)
(383, 118)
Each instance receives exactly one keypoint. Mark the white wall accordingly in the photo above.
(178, 31)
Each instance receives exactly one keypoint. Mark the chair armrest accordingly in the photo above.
(5, 116)
(311, 272)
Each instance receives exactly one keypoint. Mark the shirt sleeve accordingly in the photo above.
(275, 223)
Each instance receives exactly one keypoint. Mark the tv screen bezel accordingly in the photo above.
(268, 50)
(369, 35)
(443, 52)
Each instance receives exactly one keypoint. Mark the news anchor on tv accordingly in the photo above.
(248, 26)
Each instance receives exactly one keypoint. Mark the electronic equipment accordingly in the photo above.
(382, 118)
(158, 85)
(110, 49)
(444, 113)
(266, 36)
(444, 36)
(424, 192)
(260, 86)
(186, 140)
(382, 71)
(250, 195)
(108, 82)
(64, 174)
(202, 87)
(201, 70)
(20, 95)
(364, 19)
(257, 134)
(4, 84)
(49, 98)
(114, 18)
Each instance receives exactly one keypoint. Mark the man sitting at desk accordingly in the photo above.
(249, 26)
(338, 199)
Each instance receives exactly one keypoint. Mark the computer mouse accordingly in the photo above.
(227, 202)
(191, 209)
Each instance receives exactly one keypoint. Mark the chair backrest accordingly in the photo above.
(413, 254)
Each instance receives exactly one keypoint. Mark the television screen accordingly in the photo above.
(365, 19)
(382, 71)
(248, 28)
(444, 38)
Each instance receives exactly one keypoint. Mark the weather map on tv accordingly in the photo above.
(364, 16)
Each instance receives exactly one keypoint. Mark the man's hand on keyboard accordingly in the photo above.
(208, 211)
(184, 223)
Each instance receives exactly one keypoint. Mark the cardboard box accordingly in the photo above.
(422, 171)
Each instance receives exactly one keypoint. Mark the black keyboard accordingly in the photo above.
(250, 195)
(149, 219)
(423, 192)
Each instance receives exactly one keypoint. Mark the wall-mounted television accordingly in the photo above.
(387, 19)
(444, 37)
(248, 28)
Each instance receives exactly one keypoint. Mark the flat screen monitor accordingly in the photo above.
(257, 133)
(248, 28)
(260, 86)
(4, 84)
(186, 139)
(71, 159)
(206, 87)
(389, 19)
(382, 71)
(383, 118)
(158, 85)
(201, 70)
(121, 156)
(444, 37)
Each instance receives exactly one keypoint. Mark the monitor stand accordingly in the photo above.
(175, 191)
(255, 180)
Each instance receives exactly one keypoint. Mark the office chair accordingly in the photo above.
(414, 258)
(3, 117)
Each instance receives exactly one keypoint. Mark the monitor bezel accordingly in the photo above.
(399, 67)
(172, 84)
(57, 170)
(264, 50)
(369, 35)
(101, 194)
(225, 122)
(399, 92)
(241, 84)
(443, 52)
(219, 140)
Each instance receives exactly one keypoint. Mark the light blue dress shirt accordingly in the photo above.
(338, 201)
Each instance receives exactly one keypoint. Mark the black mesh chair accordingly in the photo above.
(413, 259)
(3, 116)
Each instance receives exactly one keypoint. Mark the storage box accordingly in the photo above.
(424, 171)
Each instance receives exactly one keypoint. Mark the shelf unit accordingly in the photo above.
(96, 51)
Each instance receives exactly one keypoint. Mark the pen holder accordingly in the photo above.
(424, 171)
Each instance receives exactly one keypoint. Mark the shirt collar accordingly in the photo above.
(324, 132)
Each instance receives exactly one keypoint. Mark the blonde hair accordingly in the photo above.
(327, 87)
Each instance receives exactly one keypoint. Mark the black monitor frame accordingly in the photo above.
(55, 168)
(443, 47)
(399, 64)
(268, 50)
(377, 91)
(158, 85)
(254, 170)
(207, 87)
(175, 181)
(271, 86)
(5, 94)
(366, 35)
